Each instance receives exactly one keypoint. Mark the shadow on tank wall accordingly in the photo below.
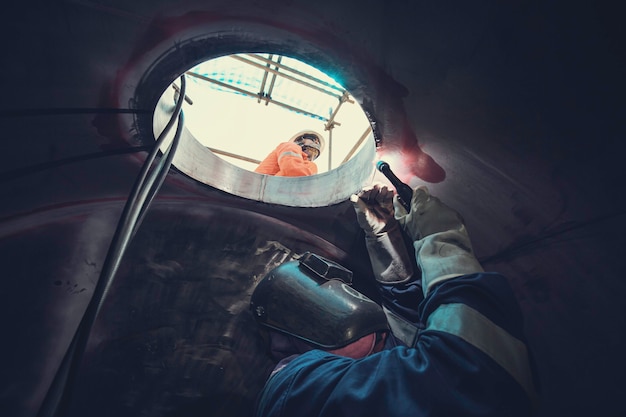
(175, 336)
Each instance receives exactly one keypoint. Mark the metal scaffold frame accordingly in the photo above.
(271, 70)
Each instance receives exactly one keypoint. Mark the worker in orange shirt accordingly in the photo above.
(295, 157)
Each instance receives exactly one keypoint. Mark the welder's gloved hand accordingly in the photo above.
(442, 246)
(385, 243)
(374, 209)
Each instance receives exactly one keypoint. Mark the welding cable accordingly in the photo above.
(137, 204)
(162, 169)
(146, 186)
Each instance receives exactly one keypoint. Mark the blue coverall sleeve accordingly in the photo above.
(469, 360)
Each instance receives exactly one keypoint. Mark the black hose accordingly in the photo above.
(57, 400)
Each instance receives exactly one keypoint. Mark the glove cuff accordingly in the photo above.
(445, 255)
(389, 257)
(391, 227)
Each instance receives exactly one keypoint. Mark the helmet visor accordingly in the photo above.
(313, 301)
(310, 144)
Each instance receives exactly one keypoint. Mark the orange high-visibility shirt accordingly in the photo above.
(287, 160)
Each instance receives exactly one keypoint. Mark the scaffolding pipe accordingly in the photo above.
(233, 155)
(254, 95)
(300, 73)
(261, 91)
(269, 92)
(357, 144)
(331, 120)
(330, 147)
(289, 77)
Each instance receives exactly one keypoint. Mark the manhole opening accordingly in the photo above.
(242, 102)
(241, 106)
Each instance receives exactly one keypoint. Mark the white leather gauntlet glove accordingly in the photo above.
(442, 246)
(385, 244)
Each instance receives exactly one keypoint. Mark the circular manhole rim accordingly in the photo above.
(199, 163)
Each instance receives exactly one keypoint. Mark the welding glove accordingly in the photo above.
(442, 246)
(385, 243)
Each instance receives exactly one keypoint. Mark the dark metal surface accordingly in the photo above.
(511, 113)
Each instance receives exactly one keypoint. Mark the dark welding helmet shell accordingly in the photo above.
(312, 299)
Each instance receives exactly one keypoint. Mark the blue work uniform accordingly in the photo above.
(468, 357)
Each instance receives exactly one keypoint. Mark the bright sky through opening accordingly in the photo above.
(229, 121)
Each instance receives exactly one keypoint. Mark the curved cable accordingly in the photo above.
(57, 399)
(164, 165)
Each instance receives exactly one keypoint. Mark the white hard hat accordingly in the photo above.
(310, 132)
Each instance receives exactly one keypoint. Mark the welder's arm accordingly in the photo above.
(293, 162)
(385, 244)
(442, 246)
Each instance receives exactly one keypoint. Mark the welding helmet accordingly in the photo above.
(314, 136)
(312, 299)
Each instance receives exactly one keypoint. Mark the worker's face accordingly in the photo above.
(310, 148)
